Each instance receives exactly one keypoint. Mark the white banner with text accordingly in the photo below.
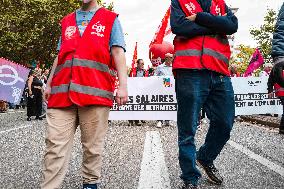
(154, 98)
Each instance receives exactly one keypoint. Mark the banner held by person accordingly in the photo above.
(154, 99)
(12, 81)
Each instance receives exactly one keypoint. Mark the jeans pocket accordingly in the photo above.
(227, 84)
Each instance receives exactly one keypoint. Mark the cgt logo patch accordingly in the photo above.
(190, 7)
(218, 10)
(167, 82)
(69, 32)
(98, 29)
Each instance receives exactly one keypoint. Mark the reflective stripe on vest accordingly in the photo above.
(58, 68)
(189, 52)
(279, 91)
(60, 89)
(85, 63)
(206, 51)
(64, 88)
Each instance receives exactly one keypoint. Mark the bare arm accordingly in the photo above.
(48, 88)
(30, 81)
(120, 64)
(52, 72)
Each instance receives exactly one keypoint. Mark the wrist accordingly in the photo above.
(123, 86)
(47, 84)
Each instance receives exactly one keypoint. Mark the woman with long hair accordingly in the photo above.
(34, 104)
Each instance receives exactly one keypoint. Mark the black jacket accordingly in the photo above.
(270, 83)
(278, 36)
(205, 23)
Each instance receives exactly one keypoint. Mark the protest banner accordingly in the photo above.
(12, 81)
(154, 99)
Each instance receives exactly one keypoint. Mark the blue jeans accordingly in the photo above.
(214, 92)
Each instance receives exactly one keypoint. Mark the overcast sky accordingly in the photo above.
(141, 18)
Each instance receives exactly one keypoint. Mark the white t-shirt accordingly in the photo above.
(164, 70)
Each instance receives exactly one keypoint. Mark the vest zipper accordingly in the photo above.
(71, 72)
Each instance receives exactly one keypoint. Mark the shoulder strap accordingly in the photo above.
(218, 7)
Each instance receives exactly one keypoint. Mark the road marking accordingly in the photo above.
(272, 166)
(154, 172)
(11, 112)
(17, 128)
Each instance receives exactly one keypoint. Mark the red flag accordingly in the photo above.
(160, 34)
(168, 32)
(256, 61)
(134, 60)
(169, 29)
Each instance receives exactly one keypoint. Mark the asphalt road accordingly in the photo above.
(254, 158)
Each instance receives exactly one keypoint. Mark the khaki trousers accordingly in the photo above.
(62, 125)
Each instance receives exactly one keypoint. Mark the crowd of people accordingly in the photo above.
(36, 83)
(164, 69)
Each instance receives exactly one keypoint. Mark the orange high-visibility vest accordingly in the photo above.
(209, 52)
(85, 73)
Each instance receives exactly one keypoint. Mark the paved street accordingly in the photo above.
(254, 158)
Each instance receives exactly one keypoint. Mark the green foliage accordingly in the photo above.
(264, 34)
(29, 29)
(242, 58)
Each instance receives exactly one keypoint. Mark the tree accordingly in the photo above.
(264, 34)
(242, 58)
(29, 29)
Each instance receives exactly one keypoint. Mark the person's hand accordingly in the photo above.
(30, 93)
(270, 95)
(47, 93)
(192, 17)
(121, 97)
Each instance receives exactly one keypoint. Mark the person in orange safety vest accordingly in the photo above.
(200, 66)
(80, 91)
